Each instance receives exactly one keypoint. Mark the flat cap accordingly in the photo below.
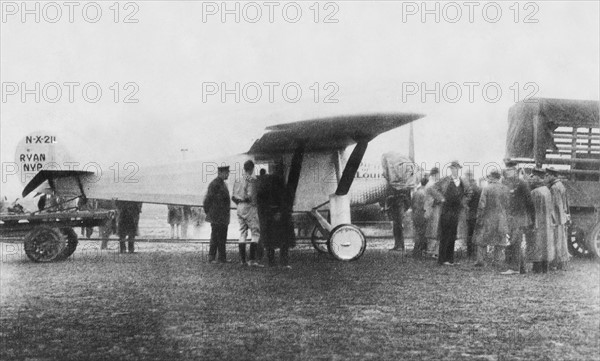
(223, 168)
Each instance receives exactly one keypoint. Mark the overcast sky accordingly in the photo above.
(369, 60)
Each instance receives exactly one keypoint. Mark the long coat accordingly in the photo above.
(560, 210)
(216, 203)
(274, 213)
(542, 246)
(433, 209)
(492, 220)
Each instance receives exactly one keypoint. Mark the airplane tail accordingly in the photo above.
(38, 151)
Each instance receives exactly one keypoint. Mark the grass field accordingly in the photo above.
(167, 303)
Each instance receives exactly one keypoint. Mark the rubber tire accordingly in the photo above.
(332, 244)
(593, 241)
(576, 242)
(51, 236)
(71, 243)
(320, 247)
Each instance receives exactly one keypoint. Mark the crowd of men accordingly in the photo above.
(522, 218)
(264, 208)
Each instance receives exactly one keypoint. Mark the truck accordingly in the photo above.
(563, 134)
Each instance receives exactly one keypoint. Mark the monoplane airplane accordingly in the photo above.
(320, 167)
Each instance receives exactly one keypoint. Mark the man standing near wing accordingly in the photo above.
(217, 206)
(244, 196)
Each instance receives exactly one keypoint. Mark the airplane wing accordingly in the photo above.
(328, 133)
(185, 183)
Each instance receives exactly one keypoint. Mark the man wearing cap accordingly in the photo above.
(217, 206)
(520, 214)
(492, 220)
(454, 195)
(540, 247)
(244, 196)
(432, 213)
(560, 216)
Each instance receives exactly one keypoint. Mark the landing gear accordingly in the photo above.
(346, 242)
(318, 240)
(44, 244)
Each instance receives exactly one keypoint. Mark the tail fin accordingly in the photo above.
(38, 151)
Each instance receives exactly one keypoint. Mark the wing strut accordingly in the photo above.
(294, 175)
(351, 168)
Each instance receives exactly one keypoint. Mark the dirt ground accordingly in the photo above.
(167, 303)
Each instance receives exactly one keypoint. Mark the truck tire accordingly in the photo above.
(71, 243)
(44, 244)
(593, 242)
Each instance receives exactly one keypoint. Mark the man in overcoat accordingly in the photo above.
(418, 218)
(433, 209)
(492, 219)
(540, 249)
(561, 217)
(217, 206)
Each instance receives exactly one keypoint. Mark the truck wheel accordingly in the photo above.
(44, 244)
(71, 243)
(576, 242)
(593, 243)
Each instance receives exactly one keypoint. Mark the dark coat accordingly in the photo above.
(128, 217)
(473, 203)
(439, 191)
(274, 212)
(520, 209)
(216, 203)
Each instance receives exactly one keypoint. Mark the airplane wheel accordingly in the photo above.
(71, 245)
(319, 242)
(593, 243)
(576, 242)
(44, 244)
(346, 242)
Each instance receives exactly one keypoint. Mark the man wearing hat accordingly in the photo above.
(454, 194)
(520, 214)
(217, 206)
(560, 215)
(540, 248)
(492, 219)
